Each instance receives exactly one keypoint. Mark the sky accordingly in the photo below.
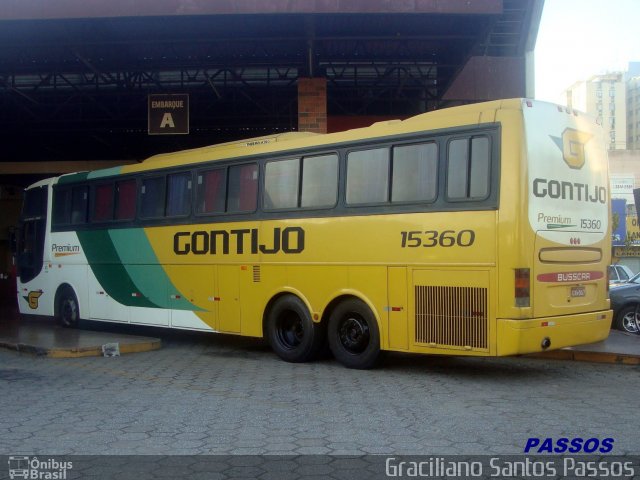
(581, 38)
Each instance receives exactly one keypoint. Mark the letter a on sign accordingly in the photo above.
(167, 121)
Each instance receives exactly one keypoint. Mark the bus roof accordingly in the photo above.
(444, 118)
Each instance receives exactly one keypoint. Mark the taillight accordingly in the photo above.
(523, 290)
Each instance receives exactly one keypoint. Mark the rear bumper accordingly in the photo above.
(527, 336)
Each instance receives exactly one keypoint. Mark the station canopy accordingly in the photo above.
(75, 75)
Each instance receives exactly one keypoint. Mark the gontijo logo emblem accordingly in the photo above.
(32, 299)
(572, 145)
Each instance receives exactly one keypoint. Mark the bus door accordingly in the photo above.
(31, 234)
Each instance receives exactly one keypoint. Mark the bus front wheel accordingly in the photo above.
(354, 337)
(68, 309)
(291, 332)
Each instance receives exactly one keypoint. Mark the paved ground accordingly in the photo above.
(207, 394)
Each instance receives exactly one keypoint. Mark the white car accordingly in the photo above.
(619, 274)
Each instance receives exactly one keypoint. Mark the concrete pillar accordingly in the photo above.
(312, 105)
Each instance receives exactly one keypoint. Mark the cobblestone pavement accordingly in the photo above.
(207, 394)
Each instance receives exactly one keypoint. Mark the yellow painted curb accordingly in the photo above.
(94, 351)
(97, 351)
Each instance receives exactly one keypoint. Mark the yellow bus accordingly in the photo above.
(476, 230)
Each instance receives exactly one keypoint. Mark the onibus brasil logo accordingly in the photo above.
(38, 469)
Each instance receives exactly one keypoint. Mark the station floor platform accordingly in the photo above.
(43, 337)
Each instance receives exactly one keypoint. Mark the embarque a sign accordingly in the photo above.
(168, 114)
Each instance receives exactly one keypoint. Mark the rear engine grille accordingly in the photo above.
(452, 316)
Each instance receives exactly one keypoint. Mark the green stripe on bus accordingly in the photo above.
(105, 172)
(108, 269)
(142, 265)
(73, 178)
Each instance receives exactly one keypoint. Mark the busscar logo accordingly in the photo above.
(572, 145)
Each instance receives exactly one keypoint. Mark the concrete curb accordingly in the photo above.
(147, 345)
(595, 357)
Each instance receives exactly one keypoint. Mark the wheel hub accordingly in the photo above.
(354, 334)
(630, 322)
(290, 331)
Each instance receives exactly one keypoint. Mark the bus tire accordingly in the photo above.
(68, 310)
(353, 334)
(291, 332)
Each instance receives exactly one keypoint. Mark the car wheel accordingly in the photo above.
(627, 319)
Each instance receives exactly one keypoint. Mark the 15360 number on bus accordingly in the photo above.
(435, 238)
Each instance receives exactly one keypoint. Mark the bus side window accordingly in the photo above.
(468, 169)
(319, 181)
(62, 207)
(178, 194)
(152, 197)
(103, 203)
(125, 200)
(211, 191)
(415, 173)
(243, 188)
(480, 168)
(79, 204)
(281, 180)
(368, 176)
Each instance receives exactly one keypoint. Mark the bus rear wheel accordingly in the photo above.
(291, 332)
(353, 334)
(68, 309)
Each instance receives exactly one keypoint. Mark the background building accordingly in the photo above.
(633, 106)
(604, 97)
(614, 99)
